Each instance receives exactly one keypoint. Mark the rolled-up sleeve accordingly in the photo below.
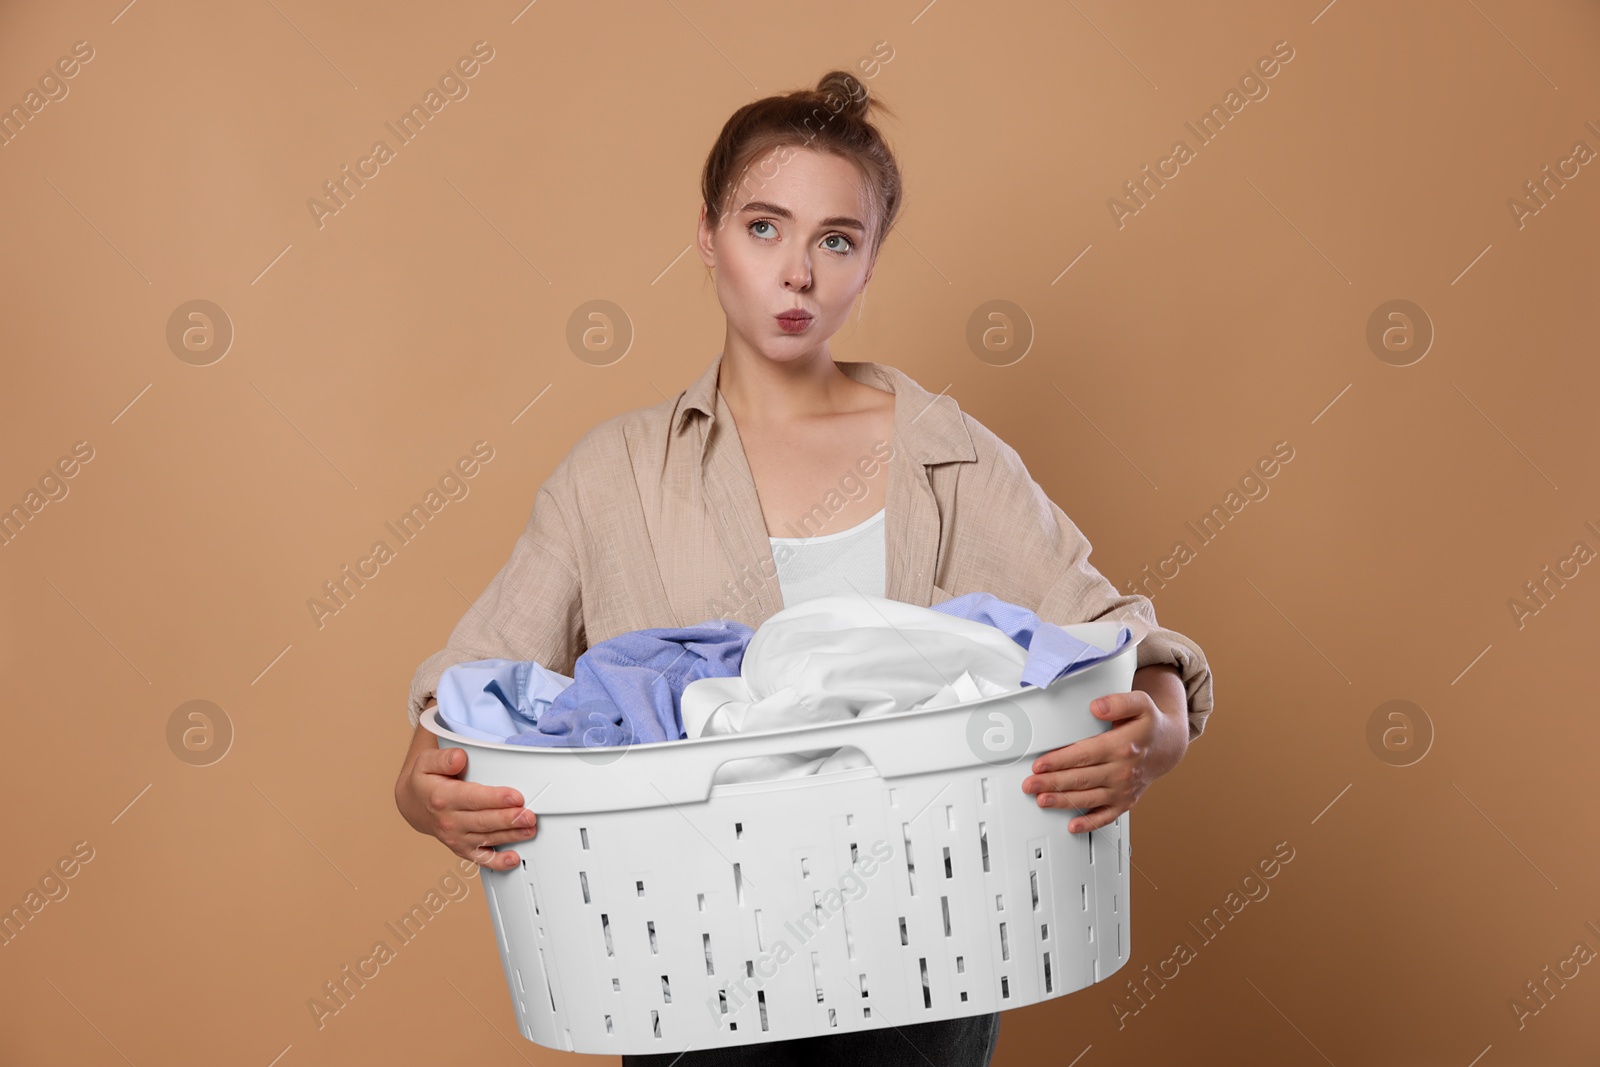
(1017, 541)
(532, 608)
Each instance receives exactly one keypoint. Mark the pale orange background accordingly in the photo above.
(1227, 315)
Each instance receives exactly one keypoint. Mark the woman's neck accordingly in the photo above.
(768, 392)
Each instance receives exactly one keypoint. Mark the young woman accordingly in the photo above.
(689, 509)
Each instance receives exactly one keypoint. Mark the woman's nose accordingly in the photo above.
(797, 276)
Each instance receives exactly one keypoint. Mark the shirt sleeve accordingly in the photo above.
(531, 610)
(1018, 544)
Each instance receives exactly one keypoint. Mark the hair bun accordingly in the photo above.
(844, 94)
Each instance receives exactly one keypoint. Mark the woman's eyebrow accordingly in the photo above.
(843, 221)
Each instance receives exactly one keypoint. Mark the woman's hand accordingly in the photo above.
(468, 817)
(1105, 775)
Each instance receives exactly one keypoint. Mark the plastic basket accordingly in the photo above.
(656, 912)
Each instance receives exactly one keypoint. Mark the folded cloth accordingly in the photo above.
(623, 690)
(851, 656)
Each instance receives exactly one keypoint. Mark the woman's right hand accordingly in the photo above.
(468, 817)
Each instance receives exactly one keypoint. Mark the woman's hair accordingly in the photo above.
(830, 118)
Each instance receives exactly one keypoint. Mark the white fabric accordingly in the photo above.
(844, 656)
(841, 562)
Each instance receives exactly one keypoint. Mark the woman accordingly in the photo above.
(687, 510)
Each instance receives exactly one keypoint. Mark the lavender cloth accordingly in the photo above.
(1052, 651)
(627, 689)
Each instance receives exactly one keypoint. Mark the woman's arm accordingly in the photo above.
(1165, 686)
(531, 610)
(1010, 539)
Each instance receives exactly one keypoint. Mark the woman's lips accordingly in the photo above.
(790, 323)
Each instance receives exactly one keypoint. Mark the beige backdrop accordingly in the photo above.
(1385, 709)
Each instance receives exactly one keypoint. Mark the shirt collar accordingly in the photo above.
(930, 424)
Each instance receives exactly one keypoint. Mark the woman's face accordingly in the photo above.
(795, 237)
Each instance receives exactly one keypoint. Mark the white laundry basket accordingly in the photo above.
(654, 912)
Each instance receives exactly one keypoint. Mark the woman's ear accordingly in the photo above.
(704, 240)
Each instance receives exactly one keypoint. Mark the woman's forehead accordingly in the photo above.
(803, 182)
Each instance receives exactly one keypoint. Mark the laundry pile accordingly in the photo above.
(827, 658)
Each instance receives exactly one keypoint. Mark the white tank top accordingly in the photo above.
(841, 562)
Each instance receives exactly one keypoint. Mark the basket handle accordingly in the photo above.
(999, 730)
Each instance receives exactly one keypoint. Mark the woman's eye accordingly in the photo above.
(849, 244)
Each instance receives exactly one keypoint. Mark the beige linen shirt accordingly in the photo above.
(652, 520)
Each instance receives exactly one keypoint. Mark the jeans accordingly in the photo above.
(965, 1042)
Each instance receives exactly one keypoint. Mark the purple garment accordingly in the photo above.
(626, 690)
(1052, 651)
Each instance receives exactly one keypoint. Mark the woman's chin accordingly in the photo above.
(787, 349)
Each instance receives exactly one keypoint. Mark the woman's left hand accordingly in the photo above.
(1105, 775)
